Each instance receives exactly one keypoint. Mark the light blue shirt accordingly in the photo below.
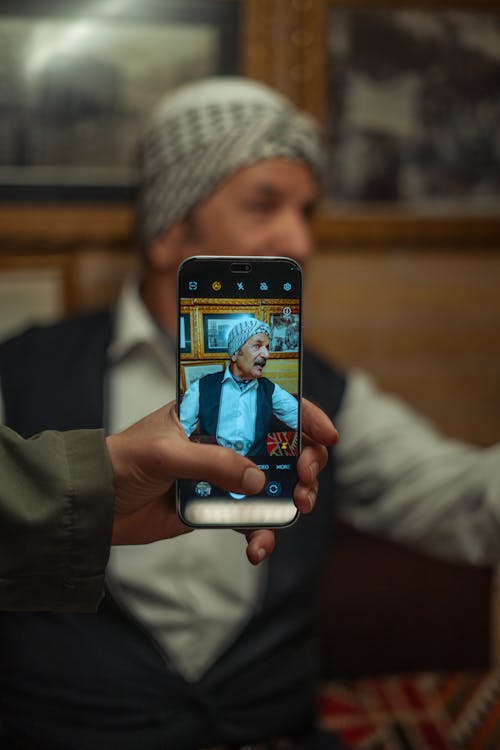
(237, 410)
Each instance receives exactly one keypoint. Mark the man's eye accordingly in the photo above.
(260, 207)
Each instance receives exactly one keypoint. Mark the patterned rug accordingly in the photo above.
(455, 711)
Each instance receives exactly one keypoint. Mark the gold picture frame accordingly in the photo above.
(296, 57)
(285, 44)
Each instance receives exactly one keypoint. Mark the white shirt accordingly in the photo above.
(193, 592)
(400, 478)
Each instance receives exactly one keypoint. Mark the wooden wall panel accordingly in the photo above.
(425, 322)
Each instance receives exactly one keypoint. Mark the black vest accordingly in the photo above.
(82, 682)
(210, 393)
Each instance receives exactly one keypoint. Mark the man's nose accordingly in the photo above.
(293, 237)
(264, 352)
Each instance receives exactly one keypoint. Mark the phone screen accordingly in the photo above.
(239, 381)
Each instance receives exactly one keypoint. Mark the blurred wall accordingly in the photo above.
(424, 321)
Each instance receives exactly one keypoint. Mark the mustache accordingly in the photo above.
(260, 361)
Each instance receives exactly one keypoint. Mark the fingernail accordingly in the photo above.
(314, 469)
(252, 480)
(261, 553)
(311, 496)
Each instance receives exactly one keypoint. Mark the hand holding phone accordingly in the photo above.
(239, 381)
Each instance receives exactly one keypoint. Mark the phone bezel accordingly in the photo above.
(260, 500)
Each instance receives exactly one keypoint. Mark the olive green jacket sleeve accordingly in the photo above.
(56, 514)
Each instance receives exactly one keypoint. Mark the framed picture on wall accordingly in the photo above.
(185, 336)
(216, 327)
(80, 79)
(409, 94)
(414, 108)
(284, 323)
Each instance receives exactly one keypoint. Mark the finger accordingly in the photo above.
(220, 466)
(304, 496)
(316, 425)
(312, 459)
(260, 544)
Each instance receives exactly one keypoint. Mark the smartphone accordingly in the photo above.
(239, 378)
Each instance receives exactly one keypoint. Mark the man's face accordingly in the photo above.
(250, 359)
(264, 209)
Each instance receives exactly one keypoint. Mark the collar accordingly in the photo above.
(134, 327)
(228, 376)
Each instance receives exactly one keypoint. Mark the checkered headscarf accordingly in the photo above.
(242, 331)
(204, 132)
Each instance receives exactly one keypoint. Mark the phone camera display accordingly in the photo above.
(239, 381)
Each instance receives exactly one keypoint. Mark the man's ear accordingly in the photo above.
(168, 249)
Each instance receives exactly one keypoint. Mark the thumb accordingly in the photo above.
(220, 466)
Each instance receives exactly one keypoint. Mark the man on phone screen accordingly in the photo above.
(237, 405)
